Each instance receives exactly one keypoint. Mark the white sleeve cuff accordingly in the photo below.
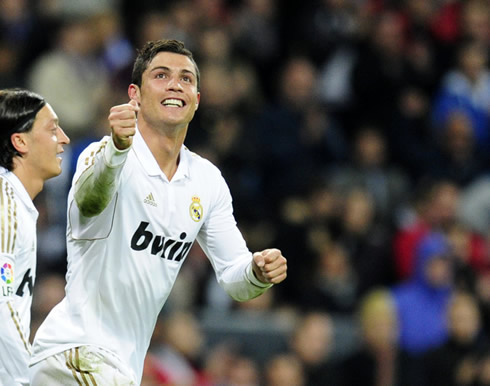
(253, 280)
(114, 157)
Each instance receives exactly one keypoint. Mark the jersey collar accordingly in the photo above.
(150, 164)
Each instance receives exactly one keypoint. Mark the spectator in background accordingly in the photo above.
(303, 232)
(466, 88)
(175, 350)
(471, 256)
(475, 21)
(483, 298)
(312, 341)
(71, 76)
(9, 59)
(376, 362)
(366, 240)
(295, 137)
(284, 370)
(422, 303)
(329, 25)
(371, 169)
(256, 37)
(117, 52)
(459, 158)
(27, 32)
(411, 140)
(435, 208)
(380, 70)
(334, 283)
(458, 361)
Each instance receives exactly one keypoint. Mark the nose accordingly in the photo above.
(62, 137)
(174, 83)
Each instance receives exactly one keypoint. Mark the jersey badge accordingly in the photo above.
(150, 200)
(195, 209)
(7, 273)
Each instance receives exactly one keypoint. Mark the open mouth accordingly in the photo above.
(173, 102)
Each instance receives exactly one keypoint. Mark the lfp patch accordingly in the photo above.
(7, 273)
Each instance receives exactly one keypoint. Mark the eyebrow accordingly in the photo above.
(183, 71)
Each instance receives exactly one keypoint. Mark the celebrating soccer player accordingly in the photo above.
(139, 200)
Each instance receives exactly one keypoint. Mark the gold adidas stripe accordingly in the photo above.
(15, 224)
(74, 365)
(8, 214)
(68, 362)
(9, 218)
(15, 318)
(12, 220)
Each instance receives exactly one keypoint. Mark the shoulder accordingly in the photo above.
(201, 165)
(7, 190)
(92, 149)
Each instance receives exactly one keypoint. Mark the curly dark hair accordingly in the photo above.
(151, 49)
(18, 110)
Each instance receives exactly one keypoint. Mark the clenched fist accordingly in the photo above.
(122, 119)
(269, 266)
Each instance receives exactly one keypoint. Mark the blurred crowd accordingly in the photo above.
(354, 136)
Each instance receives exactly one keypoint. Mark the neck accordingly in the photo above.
(165, 146)
(32, 183)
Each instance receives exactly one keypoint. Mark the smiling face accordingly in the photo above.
(43, 143)
(168, 94)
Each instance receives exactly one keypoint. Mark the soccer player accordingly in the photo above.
(138, 202)
(30, 142)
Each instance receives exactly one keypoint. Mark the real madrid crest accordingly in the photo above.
(195, 209)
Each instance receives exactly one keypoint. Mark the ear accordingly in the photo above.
(19, 142)
(134, 93)
(198, 100)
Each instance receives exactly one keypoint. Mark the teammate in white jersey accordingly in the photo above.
(30, 141)
(138, 202)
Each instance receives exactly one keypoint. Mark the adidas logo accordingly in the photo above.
(150, 200)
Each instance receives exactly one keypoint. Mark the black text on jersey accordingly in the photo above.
(163, 246)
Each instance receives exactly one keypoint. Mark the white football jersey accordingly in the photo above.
(123, 262)
(18, 218)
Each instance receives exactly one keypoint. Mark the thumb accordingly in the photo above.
(259, 259)
(134, 103)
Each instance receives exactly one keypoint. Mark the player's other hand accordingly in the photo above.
(122, 119)
(270, 266)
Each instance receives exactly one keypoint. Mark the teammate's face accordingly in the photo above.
(45, 141)
(168, 92)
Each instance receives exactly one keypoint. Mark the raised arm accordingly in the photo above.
(97, 184)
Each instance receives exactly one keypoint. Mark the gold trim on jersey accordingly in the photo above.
(89, 161)
(8, 214)
(74, 365)
(68, 362)
(16, 320)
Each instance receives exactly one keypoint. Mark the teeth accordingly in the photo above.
(173, 102)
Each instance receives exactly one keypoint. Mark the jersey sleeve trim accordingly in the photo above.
(16, 319)
(8, 218)
(253, 279)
